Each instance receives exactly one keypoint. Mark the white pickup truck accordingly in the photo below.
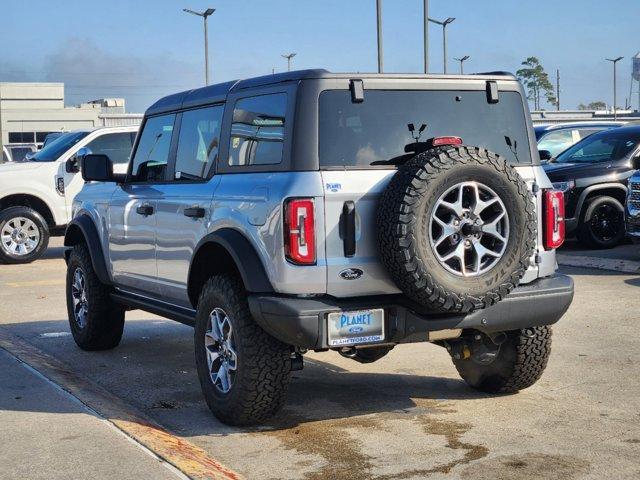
(36, 196)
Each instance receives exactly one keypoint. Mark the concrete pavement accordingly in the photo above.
(408, 416)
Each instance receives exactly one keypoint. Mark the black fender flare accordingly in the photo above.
(244, 255)
(84, 227)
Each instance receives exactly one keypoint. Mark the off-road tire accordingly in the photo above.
(521, 361)
(585, 233)
(263, 370)
(43, 229)
(403, 221)
(105, 319)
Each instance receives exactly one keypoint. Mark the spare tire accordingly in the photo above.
(456, 228)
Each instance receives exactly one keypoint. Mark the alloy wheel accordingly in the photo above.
(469, 229)
(79, 297)
(220, 349)
(19, 236)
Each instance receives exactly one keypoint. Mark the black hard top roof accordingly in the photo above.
(219, 92)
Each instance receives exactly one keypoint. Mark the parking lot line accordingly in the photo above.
(185, 456)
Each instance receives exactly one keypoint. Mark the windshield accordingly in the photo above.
(604, 146)
(376, 130)
(53, 150)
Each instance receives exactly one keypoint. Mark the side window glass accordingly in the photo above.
(585, 132)
(257, 131)
(198, 143)
(556, 142)
(152, 154)
(117, 146)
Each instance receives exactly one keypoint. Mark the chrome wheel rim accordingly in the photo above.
(469, 229)
(79, 297)
(220, 347)
(19, 236)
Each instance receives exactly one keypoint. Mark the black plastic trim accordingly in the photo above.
(90, 233)
(183, 315)
(301, 321)
(244, 255)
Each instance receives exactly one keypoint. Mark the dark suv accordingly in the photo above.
(593, 175)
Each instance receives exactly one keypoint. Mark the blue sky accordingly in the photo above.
(142, 50)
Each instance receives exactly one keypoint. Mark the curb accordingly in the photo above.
(599, 263)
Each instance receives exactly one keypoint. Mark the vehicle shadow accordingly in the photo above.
(53, 252)
(153, 370)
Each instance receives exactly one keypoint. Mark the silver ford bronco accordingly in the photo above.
(317, 211)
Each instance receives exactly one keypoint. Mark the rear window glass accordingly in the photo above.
(376, 130)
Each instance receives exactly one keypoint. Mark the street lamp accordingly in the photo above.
(444, 37)
(379, 29)
(207, 13)
(614, 61)
(462, 60)
(289, 57)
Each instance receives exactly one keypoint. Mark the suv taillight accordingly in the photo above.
(553, 219)
(300, 231)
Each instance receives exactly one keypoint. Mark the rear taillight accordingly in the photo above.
(553, 219)
(300, 231)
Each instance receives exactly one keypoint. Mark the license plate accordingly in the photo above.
(356, 327)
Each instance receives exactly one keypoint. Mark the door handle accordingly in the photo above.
(145, 210)
(194, 212)
(348, 224)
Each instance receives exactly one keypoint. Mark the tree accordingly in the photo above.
(536, 80)
(599, 105)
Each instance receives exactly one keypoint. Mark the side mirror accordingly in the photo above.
(72, 165)
(96, 168)
(544, 155)
(635, 163)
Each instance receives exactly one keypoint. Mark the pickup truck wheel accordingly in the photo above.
(456, 228)
(24, 235)
(243, 371)
(520, 362)
(96, 321)
(602, 224)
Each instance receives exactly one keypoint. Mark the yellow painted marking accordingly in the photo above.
(54, 282)
(185, 456)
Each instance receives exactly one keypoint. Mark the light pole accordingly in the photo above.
(444, 38)
(379, 26)
(425, 13)
(289, 56)
(462, 60)
(207, 13)
(615, 93)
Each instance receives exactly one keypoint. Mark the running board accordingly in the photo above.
(183, 315)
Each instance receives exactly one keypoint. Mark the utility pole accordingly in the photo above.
(426, 35)
(289, 56)
(462, 60)
(614, 61)
(444, 38)
(558, 89)
(207, 13)
(379, 25)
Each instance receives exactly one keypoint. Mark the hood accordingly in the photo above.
(19, 167)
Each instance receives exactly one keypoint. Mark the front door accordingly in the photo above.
(133, 210)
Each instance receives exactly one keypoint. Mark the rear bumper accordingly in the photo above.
(302, 321)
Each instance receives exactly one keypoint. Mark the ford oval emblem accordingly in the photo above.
(351, 274)
(356, 329)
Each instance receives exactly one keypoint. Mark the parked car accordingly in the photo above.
(593, 175)
(6, 155)
(303, 211)
(556, 138)
(51, 137)
(36, 196)
(20, 151)
(633, 203)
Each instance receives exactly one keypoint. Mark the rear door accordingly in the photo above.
(360, 144)
(184, 206)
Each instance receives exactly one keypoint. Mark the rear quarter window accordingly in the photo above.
(361, 134)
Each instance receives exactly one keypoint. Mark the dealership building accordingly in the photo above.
(29, 111)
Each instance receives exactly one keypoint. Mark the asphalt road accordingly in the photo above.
(407, 416)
